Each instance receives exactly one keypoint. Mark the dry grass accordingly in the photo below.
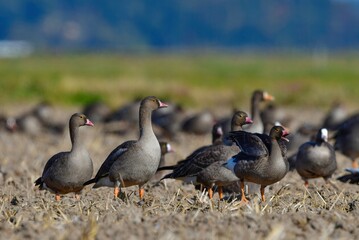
(171, 210)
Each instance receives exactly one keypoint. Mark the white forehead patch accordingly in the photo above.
(324, 133)
(277, 123)
(219, 130)
(169, 148)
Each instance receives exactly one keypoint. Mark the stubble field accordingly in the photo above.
(171, 209)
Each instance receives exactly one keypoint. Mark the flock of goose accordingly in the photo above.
(245, 149)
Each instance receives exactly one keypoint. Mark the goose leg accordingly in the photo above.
(306, 183)
(262, 193)
(355, 164)
(220, 192)
(77, 196)
(210, 192)
(243, 196)
(57, 197)
(117, 189)
(141, 192)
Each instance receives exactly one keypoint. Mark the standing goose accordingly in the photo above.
(66, 172)
(258, 96)
(262, 158)
(347, 139)
(205, 166)
(316, 159)
(133, 162)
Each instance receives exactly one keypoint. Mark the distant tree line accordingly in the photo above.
(181, 24)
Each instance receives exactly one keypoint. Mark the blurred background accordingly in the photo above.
(197, 52)
(147, 25)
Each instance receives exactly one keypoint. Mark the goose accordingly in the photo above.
(262, 159)
(316, 158)
(66, 172)
(133, 162)
(204, 166)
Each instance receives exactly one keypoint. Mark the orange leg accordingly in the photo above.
(57, 197)
(210, 193)
(116, 192)
(77, 196)
(243, 197)
(355, 164)
(220, 192)
(262, 194)
(141, 192)
(306, 183)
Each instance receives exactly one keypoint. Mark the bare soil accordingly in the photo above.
(171, 209)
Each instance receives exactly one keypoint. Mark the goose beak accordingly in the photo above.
(162, 105)
(249, 120)
(267, 97)
(89, 123)
(284, 134)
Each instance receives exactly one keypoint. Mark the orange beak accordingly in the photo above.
(267, 97)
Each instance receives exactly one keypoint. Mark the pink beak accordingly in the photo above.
(249, 120)
(162, 105)
(284, 134)
(89, 123)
